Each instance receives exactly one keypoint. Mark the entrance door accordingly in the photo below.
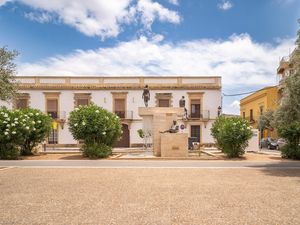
(124, 142)
(195, 131)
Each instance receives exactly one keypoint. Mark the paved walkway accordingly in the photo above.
(146, 164)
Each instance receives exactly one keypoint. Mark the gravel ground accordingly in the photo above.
(149, 196)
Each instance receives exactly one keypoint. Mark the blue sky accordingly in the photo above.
(240, 40)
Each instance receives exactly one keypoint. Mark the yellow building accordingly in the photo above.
(254, 105)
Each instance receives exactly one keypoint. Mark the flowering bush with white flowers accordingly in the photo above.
(21, 130)
(96, 127)
(231, 135)
(37, 128)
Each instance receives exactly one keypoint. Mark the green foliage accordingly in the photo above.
(8, 86)
(39, 127)
(96, 150)
(21, 129)
(265, 121)
(291, 133)
(94, 125)
(231, 135)
(287, 116)
(141, 133)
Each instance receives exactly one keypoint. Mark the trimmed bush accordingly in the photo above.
(12, 127)
(95, 150)
(39, 127)
(291, 133)
(96, 127)
(231, 135)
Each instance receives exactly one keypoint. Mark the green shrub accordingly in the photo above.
(95, 150)
(94, 125)
(231, 135)
(291, 133)
(39, 127)
(141, 133)
(9, 151)
(12, 126)
(21, 130)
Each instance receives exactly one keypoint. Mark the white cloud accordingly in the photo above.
(100, 17)
(225, 5)
(239, 60)
(174, 2)
(39, 17)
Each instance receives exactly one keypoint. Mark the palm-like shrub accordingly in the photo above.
(231, 135)
(96, 127)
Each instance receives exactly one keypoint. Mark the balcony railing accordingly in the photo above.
(124, 114)
(199, 115)
(57, 115)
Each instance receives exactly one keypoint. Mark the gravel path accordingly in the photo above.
(149, 196)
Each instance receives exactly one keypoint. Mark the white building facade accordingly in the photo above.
(59, 96)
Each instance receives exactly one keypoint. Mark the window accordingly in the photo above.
(163, 99)
(261, 110)
(195, 108)
(22, 101)
(251, 114)
(120, 107)
(82, 99)
(195, 132)
(163, 103)
(52, 108)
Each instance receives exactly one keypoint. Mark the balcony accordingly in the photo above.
(199, 115)
(126, 115)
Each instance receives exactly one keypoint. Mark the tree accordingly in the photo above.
(8, 86)
(266, 121)
(287, 116)
(231, 135)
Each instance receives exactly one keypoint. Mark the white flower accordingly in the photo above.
(83, 123)
(8, 119)
(103, 132)
(76, 109)
(4, 121)
(5, 115)
(106, 118)
(37, 114)
(16, 118)
(39, 121)
(33, 122)
(34, 129)
(234, 124)
(27, 128)
(6, 133)
(97, 111)
(13, 125)
(248, 128)
(23, 120)
(30, 114)
(8, 125)
(14, 132)
(16, 122)
(75, 125)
